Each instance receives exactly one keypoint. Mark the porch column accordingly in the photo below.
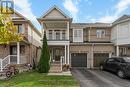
(65, 54)
(117, 50)
(53, 35)
(92, 55)
(18, 53)
(68, 55)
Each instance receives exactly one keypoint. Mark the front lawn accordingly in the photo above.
(34, 79)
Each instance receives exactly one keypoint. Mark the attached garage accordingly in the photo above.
(79, 60)
(99, 58)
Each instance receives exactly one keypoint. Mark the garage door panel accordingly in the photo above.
(99, 58)
(79, 60)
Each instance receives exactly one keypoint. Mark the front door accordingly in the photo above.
(58, 52)
(13, 53)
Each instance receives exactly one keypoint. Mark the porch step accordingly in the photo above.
(55, 68)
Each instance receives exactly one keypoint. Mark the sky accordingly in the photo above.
(82, 11)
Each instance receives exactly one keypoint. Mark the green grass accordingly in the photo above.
(34, 79)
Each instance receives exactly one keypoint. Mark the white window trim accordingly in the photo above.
(78, 39)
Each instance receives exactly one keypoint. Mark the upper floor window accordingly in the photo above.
(20, 28)
(63, 34)
(57, 35)
(77, 35)
(50, 34)
(100, 33)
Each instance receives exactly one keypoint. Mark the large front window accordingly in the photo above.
(56, 34)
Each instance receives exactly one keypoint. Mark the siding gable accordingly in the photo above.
(55, 13)
(16, 16)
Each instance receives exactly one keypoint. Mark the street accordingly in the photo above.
(97, 78)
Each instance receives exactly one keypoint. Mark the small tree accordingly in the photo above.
(8, 31)
(44, 64)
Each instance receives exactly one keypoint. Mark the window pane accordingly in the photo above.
(50, 34)
(57, 35)
(63, 35)
(100, 33)
(77, 33)
(20, 29)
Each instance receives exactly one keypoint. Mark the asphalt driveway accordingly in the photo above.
(97, 78)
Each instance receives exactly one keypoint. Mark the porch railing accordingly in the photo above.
(10, 59)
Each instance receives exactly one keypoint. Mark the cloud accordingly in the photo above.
(107, 19)
(24, 8)
(71, 6)
(121, 6)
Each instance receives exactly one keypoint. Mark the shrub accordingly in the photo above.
(44, 65)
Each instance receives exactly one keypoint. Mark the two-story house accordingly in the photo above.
(25, 51)
(76, 44)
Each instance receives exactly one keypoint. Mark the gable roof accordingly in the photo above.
(122, 19)
(51, 9)
(19, 16)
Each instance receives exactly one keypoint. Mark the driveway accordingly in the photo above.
(97, 78)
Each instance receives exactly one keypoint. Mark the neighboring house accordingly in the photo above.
(25, 51)
(89, 44)
(120, 35)
(75, 44)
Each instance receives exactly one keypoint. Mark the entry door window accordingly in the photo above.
(57, 55)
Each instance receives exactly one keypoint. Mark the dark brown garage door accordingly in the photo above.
(79, 60)
(99, 58)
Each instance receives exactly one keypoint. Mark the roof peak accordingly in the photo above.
(52, 8)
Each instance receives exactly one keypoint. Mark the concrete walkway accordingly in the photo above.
(68, 73)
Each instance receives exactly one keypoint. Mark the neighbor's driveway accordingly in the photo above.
(97, 78)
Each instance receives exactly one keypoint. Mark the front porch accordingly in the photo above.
(59, 56)
(122, 50)
(14, 53)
